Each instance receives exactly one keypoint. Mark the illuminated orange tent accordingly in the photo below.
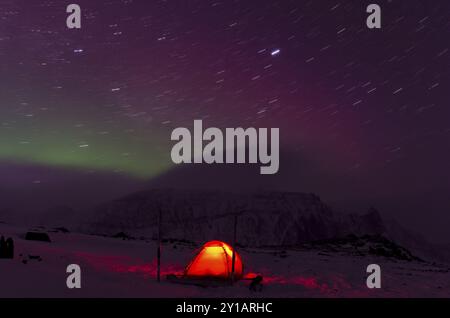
(214, 260)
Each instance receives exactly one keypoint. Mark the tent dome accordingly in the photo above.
(214, 260)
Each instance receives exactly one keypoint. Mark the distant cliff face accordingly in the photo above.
(263, 219)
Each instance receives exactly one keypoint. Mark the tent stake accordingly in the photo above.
(158, 253)
(233, 258)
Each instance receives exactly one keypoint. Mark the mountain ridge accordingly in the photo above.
(274, 218)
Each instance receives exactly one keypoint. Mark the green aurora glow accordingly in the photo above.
(140, 153)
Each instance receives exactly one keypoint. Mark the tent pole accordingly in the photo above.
(233, 258)
(158, 253)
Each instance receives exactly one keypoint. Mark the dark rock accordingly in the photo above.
(6, 248)
(37, 236)
(62, 230)
(122, 235)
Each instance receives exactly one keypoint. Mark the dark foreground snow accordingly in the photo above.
(113, 267)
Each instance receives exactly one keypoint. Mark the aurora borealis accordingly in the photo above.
(367, 105)
(80, 148)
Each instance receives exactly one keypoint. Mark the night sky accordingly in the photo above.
(370, 106)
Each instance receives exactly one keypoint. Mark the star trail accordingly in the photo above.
(361, 102)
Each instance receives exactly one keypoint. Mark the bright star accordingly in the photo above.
(275, 52)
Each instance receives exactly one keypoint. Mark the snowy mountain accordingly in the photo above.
(263, 218)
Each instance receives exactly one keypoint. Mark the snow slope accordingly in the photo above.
(126, 268)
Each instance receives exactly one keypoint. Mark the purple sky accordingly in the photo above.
(364, 112)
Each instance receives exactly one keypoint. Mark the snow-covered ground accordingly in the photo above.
(126, 268)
